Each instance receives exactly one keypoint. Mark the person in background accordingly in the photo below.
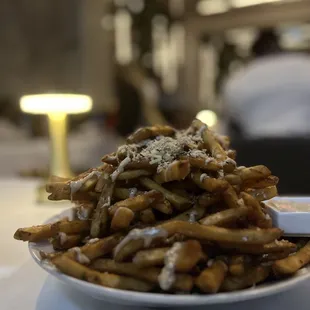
(270, 97)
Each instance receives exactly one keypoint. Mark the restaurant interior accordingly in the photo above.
(78, 76)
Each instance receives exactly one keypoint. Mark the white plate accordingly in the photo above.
(162, 300)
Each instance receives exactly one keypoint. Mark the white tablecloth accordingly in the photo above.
(24, 285)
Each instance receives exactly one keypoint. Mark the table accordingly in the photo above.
(23, 285)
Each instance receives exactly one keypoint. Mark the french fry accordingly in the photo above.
(211, 278)
(100, 247)
(76, 270)
(208, 183)
(43, 232)
(273, 247)
(193, 214)
(225, 217)
(251, 277)
(147, 216)
(110, 159)
(150, 132)
(224, 141)
(84, 210)
(269, 181)
(294, 262)
(176, 171)
(219, 234)
(122, 219)
(233, 179)
(217, 151)
(100, 221)
(273, 256)
(188, 256)
(177, 201)
(138, 203)
(206, 200)
(150, 257)
(256, 213)
(64, 242)
(263, 194)
(203, 233)
(182, 282)
(104, 179)
(237, 265)
(209, 164)
(254, 173)
(133, 174)
(141, 164)
(164, 207)
(124, 193)
(230, 197)
(232, 154)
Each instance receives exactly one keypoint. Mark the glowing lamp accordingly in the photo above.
(57, 107)
(208, 117)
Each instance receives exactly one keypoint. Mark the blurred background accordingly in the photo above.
(243, 64)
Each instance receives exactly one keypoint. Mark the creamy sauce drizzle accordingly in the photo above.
(203, 177)
(167, 274)
(120, 168)
(76, 185)
(62, 238)
(192, 216)
(82, 213)
(94, 240)
(147, 235)
(80, 257)
(132, 192)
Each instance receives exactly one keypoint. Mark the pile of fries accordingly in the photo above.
(170, 212)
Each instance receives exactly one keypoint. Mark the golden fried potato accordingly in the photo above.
(208, 164)
(199, 232)
(211, 278)
(294, 262)
(177, 201)
(237, 264)
(147, 216)
(256, 214)
(150, 132)
(101, 219)
(176, 171)
(76, 270)
(138, 203)
(208, 183)
(133, 174)
(262, 194)
(231, 198)
(251, 277)
(272, 247)
(150, 257)
(43, 232)
(183, 282)
(225, 217)
(122, 219)
(64, 242)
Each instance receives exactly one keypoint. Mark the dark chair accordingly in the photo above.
(289, 159)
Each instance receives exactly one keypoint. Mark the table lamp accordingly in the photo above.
(56, 107)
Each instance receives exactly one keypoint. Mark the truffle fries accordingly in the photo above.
(170, 211)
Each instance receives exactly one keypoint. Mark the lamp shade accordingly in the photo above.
(56, 103)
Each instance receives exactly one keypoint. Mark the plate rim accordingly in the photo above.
(160, 299)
